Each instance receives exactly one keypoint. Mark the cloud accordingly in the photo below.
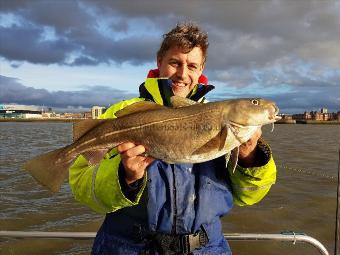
(78, 38)
(263, 44)
(292, 99)
(12, 91)
(242, 34)
(26, 43)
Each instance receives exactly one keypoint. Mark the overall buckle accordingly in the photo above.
(191, 242)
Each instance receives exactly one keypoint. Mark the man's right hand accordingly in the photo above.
(133, 161)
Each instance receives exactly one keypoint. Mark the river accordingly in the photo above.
(302, 200)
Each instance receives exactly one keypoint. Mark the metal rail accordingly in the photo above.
(337, 217)
(42, 234)
(285, 237)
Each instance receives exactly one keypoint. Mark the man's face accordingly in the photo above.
(183, 69)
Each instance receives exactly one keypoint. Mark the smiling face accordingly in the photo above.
(182, 68)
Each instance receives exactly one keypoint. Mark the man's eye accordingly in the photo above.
(192, 67)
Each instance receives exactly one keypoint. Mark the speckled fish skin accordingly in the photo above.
(181, 134)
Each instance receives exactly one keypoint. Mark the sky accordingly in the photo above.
(71, 55)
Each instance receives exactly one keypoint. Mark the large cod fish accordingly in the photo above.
(188, 132)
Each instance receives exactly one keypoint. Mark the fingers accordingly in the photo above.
(133, 160)
(130, 150)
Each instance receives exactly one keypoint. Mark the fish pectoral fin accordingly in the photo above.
(94, 156)
(138, 107)
(177, 101)
(215, 144)
(227, 158)
(80, 128)
(233, 159)
(223, 136)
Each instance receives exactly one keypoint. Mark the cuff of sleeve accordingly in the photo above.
(107, 190)
(264, 156)
(251, 184)
(131, 190)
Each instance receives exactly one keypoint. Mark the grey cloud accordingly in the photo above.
(107, 50)
(64, 16)
(269, 43)
(76, 31)
(304, 100)
(83, 60)
(297, 99)
(26, 43)
(12, 91)
(241, 33)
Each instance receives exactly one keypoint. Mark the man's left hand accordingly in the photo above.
(247, 153)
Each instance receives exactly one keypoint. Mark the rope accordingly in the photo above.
(320, 174)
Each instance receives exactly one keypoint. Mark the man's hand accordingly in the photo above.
(134, 164)
(247, 154)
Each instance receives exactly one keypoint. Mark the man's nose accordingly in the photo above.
(182, 72)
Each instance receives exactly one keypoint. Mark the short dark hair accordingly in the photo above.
(185, 36)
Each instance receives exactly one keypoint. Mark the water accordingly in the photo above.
(302, 200)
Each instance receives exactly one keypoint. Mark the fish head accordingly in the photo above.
(251, 112)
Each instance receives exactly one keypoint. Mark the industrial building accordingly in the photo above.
(16, 111)
(22, 111)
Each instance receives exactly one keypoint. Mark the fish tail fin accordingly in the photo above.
(48, 170)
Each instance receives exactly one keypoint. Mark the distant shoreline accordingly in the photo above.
(40, 120)
(314, 122)
(317, 122)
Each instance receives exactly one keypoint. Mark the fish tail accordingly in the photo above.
(48, 170)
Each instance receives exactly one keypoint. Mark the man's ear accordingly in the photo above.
(201, 69)
(159, 61)
(202, 66)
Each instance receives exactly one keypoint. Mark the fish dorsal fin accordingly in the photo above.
(177, 101)
(82, 127)
(138, 107)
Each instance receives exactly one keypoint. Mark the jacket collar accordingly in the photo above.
(159, 90)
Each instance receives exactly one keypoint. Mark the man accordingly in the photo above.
(157, 208)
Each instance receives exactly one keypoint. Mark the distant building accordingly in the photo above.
(87, 115)
(323, 115)
(21, 111)
(72, 115)
(51, 115)
(286, 117)
(97, 111)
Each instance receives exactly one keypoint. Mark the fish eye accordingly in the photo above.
(255, 102)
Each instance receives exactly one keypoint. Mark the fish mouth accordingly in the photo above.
(274, 114)
(274, 117)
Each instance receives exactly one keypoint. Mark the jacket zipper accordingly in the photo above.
(174, 225)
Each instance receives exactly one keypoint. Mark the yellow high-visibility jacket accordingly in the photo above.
(98, 187)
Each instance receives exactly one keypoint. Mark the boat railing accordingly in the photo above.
(289, 236)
